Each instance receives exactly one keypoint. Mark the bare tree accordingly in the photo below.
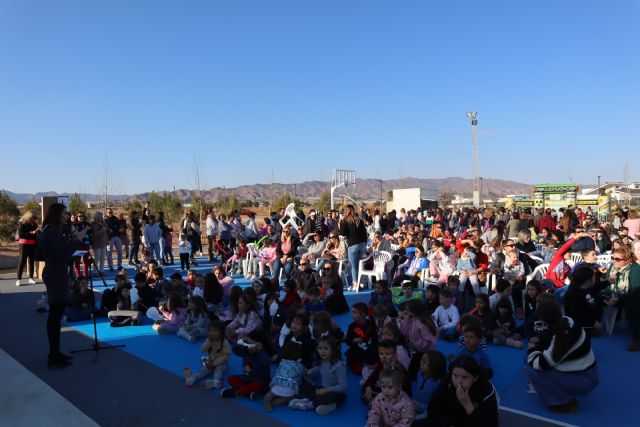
(107, 185)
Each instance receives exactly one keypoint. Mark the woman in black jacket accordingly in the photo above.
(464, 398)
(56, 250)
(353, 229)
(27, 239)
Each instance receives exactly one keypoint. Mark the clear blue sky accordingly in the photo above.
(303, 87)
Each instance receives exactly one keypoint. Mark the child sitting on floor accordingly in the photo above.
(446, 317)
(256, 366)
(246, 321)
(380, 317)
(391, 333)
(433, 368)
(361, 339)
(313, 305)
(504, 325)
(382, 295)
(197, 322)
(392, 407)
(387, 360)
(215, 363)
(333, 380)
(472, 347)
(169, 317)
(288, 376)
(419, 330)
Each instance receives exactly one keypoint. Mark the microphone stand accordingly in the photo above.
(96, 346)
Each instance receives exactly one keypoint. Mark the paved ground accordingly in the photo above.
(120, 389)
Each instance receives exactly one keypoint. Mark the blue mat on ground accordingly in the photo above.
(615, 394)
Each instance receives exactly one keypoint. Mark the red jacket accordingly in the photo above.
(546, 221)
(558, 269)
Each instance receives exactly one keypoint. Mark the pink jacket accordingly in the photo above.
(243, 325)
(418, 333)
(174, 318)
(398, 412)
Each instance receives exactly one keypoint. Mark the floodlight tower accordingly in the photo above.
(473, 117)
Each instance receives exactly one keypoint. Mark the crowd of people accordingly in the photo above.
(467, 276)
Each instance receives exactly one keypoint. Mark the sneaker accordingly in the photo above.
(254, 396)
(31, 281)
(18, 282)
(229, 392)
(190, 381)
(531, 389)
(301, 404)
(325, 409)
(192, 338)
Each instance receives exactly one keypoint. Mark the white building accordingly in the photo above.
(412, 198)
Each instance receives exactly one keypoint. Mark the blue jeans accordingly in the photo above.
(354, 254)
(277, 266)
(162, 244)
(154, 248)
(555, 387)
(559, 294)
(114, 243)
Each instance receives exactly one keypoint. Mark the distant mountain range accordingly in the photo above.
(366, 189)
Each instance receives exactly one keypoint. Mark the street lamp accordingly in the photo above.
(473, 117)
(598, 185)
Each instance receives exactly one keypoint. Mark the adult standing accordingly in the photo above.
(624, 275)
(565, 367)
(136, 233)
(211, 230)
(99, 240)
(353, 229)
(191, 230)
(152, 235)
(56, 250)
(163, 240)
(27, 240)
(114, 239)
(124, 236)
(513, 227)
(80, 224)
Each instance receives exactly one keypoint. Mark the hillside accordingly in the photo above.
(366, 189)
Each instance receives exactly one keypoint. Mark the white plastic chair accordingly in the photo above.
(380, 260)
(249, 264)
(540, 270)
(491, 281)
(576, 257)
(294, 220)
(603, 260)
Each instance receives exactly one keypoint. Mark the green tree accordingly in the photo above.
(324, 203)
(77, 204)
(167, 203)
(31, 205)
(284, 200)
(133, 205)
(9, 215)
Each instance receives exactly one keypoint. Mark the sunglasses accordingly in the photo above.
(618, 259)
(304, 263)
(327, 268)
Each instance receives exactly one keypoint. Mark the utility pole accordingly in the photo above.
(473, 117)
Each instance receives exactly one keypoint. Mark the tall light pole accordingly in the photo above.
(598, 185)
(473, 117)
